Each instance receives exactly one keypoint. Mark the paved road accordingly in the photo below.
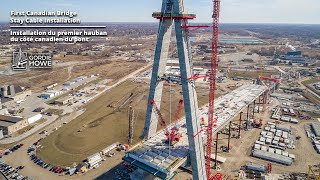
(305, 87)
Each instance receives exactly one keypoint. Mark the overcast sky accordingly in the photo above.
(232, 11)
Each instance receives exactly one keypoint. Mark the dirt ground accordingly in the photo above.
(107, 68)
(103, 123)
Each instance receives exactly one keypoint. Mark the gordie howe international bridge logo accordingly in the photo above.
(22, 61)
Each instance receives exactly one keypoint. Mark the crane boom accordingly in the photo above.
(213, 72)
(160, 118)
(173, 135)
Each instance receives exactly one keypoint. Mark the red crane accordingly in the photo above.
(173, 136)
(270, 79)
(213, 72)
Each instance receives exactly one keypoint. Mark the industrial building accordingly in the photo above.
(294, 57)
(94, 159)
(78, 79)
(34, 118)
(10, 124)
(50, 94)
(50, 86)
(63, 101)
(273, 157)
(12, 92)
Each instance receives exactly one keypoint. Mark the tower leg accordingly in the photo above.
(158, 70)
(196, 147)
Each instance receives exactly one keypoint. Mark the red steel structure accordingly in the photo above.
(173, 136)
(269, 79)
(213, 71)
(264, 78)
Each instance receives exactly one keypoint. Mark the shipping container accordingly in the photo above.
(278, 151)
(257, 146)
(275, 142)
(271, 150)
(285, 153)
(268, 141)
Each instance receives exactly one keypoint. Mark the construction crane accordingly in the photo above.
(213, 71)
(173, 136)
(314, 171)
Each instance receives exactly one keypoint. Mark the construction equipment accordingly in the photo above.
(257, 123)
(173, 136)
(213, 71)
(269, 168)
(131, 121)
(314, 171)
(263, 78)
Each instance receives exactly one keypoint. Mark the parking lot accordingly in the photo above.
(11, 172)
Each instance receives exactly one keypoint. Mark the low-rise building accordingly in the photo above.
(94, 159)
(11, 124)
(63, 101)
(50, 86)
(50, 94)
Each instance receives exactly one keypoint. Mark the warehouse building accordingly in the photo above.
(50, 94)
(273, 157)
(10, 124)
(63, 100)
(50, 86)
(94, 159)
(316, 128)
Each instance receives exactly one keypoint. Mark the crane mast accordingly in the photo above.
(213, 71)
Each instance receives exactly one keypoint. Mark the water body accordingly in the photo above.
(240, 41)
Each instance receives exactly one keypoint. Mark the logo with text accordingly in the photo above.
(22, 61)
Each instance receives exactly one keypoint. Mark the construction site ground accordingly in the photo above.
(104, 123)
(70, 67)
(241, 149)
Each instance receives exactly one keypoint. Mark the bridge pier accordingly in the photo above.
(229, 137)
(240, 119)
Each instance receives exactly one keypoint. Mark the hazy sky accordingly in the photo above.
(232, 11)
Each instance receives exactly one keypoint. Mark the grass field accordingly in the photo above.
(249, 74)
(310, 81)
(101, 125)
